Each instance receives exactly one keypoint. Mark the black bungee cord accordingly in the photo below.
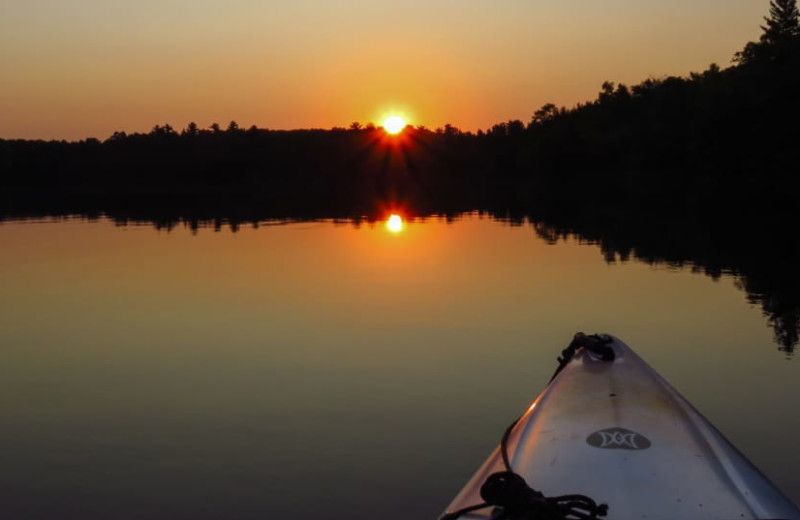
(508, 492)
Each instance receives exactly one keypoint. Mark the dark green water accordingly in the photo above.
(321, 370)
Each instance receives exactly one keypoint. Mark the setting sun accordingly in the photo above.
(394, 125)
(394, 223)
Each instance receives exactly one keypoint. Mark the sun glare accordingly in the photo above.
(394, 223)
(394, 124)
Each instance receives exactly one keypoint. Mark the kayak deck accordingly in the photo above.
(617, 432)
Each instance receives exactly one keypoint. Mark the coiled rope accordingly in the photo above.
(508, 491)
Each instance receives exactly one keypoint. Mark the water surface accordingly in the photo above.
(327, 370)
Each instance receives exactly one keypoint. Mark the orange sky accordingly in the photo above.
(89, 67)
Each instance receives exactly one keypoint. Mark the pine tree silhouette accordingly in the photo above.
(780, 37)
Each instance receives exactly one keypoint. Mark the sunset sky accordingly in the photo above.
(86, 68)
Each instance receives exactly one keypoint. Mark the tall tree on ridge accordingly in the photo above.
(781, 35)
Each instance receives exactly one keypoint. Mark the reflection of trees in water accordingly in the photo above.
(757, 254)
(780, 307)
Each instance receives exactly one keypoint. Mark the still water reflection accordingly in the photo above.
(327, 370)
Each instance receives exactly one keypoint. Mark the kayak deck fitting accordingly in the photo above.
(610, 437)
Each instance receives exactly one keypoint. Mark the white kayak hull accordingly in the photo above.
(619, 433)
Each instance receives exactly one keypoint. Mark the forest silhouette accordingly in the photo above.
(698, 170)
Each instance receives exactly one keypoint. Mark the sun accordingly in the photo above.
(394, 124)
(394, 223)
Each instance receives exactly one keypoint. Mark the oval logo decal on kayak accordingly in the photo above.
(618, 439)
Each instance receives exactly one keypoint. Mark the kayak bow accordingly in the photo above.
(608, 430)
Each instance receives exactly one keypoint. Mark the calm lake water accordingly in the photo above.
(331, 371)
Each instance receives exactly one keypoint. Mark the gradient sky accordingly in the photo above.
(85, 68)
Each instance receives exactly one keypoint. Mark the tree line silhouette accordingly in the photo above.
(712, 138)
(699, 169)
